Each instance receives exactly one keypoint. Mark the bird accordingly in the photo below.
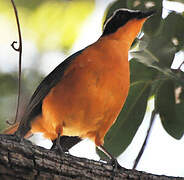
(83, 96)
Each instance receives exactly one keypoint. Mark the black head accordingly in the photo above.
(120, 17)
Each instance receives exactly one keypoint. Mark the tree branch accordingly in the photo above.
(145, 140)
(19, 49)
(26, 161)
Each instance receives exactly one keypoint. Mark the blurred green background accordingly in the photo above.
(52, 30)
(47, 26)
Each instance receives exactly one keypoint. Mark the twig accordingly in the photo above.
(19, 49)
(179, 68)
(145, 141)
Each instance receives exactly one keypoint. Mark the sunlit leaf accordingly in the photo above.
(145, 57)
(51, 24)
(158, 53)
(57, 24)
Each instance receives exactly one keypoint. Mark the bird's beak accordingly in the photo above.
(146, 14)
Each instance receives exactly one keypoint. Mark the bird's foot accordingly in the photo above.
(18, 136)
(56, 147)
(20, 139)
(113, 161)
(116, 166)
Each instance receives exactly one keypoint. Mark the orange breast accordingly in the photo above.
(89, 96)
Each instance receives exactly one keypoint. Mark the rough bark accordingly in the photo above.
(23, 160)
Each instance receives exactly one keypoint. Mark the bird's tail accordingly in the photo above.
(12, 129)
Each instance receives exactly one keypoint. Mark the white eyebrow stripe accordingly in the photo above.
(123, 9)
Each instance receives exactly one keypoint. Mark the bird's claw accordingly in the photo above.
(115, 164)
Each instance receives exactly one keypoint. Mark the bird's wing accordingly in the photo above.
(34, 108)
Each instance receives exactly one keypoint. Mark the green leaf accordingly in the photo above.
(140, 72)
(179, 121)
(171, 114)
(173, 29)
(145, 57)
(122, 132)
(160, 50)
(159, 53)
(129, 120)
(151, 26)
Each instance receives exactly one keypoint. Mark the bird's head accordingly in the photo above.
(125, 22)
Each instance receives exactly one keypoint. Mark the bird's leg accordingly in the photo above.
(18, 136)
(57, 146)
(113, 160)
(54, 147)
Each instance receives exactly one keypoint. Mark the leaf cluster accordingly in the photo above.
(151, 76)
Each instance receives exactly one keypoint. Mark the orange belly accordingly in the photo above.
(89, 96)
